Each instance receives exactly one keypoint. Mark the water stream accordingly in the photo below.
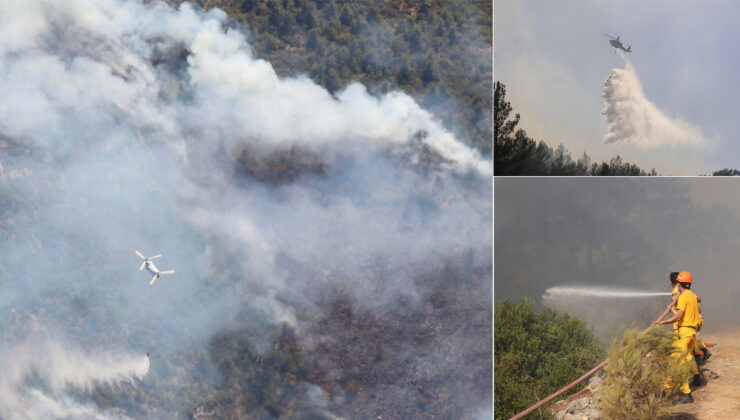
(600, 292)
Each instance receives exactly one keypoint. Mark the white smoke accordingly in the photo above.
(54, 368)
(229, 83)
(633, 119)
(47, 71)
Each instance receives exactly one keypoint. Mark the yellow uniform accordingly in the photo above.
(690, 306)
(685, 341)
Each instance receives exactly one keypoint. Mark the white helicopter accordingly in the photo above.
(149, 265)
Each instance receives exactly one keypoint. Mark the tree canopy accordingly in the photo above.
(726, 172)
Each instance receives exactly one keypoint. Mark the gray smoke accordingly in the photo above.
(130, 126)
(633, 119)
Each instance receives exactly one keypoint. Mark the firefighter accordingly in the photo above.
(701, 352)
(686, 319)
(698, 344)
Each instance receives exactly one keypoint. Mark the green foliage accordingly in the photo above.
(537, 353)
(440, 52)
(636, 369)
(515, 153)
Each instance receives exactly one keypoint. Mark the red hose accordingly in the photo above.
(562, 390)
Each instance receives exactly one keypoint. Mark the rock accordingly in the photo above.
(584, 408)
(578, 405)
(590, 414)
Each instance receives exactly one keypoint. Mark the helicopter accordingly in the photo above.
(617, 44)
(149, 265)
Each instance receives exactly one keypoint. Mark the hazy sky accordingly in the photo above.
(554, 61)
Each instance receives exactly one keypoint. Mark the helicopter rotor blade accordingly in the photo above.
(156, 256)
(608, 35)
(142, 266)
(156, 276)
(140, 254)
(167, 272)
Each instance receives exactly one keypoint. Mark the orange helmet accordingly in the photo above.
(684, 277)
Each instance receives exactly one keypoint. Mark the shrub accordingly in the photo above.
(636, 369)
(537, 353)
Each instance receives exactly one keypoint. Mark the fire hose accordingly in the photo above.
(562, 390)
(572, 384)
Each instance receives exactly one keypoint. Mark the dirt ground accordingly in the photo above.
(720, 397)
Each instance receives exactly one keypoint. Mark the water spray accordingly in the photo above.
(600, 292)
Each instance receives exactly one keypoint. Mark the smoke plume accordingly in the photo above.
(138, 126)
(633, 119)
(37, 372)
